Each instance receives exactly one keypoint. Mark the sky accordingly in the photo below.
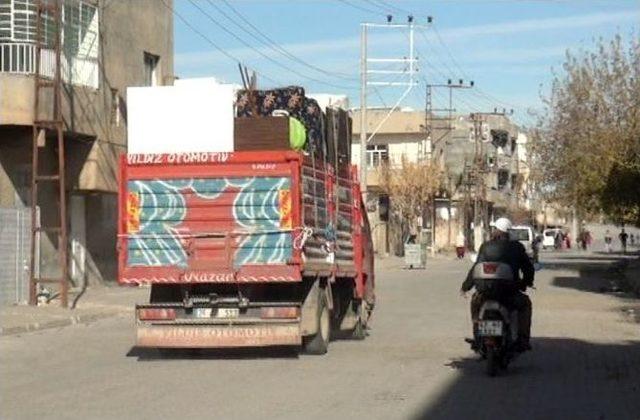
(509, 48)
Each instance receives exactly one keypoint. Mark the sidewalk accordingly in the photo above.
(96, 303)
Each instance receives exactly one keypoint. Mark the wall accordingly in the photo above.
(94, 142)
(128, 30)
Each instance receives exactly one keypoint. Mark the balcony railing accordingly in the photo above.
(20, 58)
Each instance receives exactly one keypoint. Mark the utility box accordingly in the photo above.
(414, 256)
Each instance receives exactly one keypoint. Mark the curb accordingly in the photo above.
(58, 323)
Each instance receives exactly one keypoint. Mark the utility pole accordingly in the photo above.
(477, 178)
(363, 113)
(406, 78)
(448, 129)
(430, 111)
(478, 170)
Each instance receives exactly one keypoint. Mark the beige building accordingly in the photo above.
(452, 145)
(107, 46)
(401, 134)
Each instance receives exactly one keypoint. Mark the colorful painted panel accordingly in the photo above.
(182, 222)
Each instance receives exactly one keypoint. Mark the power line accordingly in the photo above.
(388, 6)
(478, 93)
(208, 40)
(362, 9)
(436, 70)
(457, 65)
(448, 68)
(265, 56)
(269, 42)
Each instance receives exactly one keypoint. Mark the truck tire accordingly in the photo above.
(319, 342)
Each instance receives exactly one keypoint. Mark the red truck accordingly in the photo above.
(248, 248)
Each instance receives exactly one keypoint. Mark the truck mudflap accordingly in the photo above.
(215, 336)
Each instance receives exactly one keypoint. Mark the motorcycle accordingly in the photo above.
(495, 331)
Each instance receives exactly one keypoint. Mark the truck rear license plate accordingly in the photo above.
(490, 328)
(227, 313)
(202, 312)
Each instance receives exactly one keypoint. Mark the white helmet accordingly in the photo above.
(503, 224)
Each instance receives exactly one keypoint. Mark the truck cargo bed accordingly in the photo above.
(251, 216)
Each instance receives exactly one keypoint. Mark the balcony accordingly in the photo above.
(20, 58)
(79, 36)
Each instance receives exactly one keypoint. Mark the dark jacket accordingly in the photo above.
(508, 252)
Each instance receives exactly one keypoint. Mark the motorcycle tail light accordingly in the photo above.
(489, 268)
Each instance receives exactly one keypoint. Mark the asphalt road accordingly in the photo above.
(415, 364)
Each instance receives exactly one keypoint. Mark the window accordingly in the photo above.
(376, 154)
(79, 36)
(115, 107)
(503, 178)
(151, 69)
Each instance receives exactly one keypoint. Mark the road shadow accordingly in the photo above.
(154, 354)
(560, 379)
(596, 272)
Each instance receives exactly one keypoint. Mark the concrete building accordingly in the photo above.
(402, 134)
(453, 147)
(107, 46)
(481, 161)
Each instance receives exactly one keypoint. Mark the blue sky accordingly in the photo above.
(508, 47)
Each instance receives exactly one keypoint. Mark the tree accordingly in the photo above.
(410, 186)
(587, 144)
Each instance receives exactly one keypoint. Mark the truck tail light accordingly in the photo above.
(489, 268)
(280, 312)
(156, 314)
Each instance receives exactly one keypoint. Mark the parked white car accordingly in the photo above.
(549, 237)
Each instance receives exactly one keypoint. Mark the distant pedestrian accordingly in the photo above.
(607, 241)
(567, 241)
(623, 240)
(460, 245)
(557, 240)
(585, 239)
(632, 240)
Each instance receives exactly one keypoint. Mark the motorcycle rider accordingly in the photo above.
(502, 249)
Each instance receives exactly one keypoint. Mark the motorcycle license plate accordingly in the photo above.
(228, 313)
(490, 328)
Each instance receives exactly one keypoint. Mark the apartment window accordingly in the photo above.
(503, 178)
(115, 107)
(376, 154)
(80, 29)
(151, 69)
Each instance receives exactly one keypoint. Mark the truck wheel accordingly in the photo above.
(319, 342)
